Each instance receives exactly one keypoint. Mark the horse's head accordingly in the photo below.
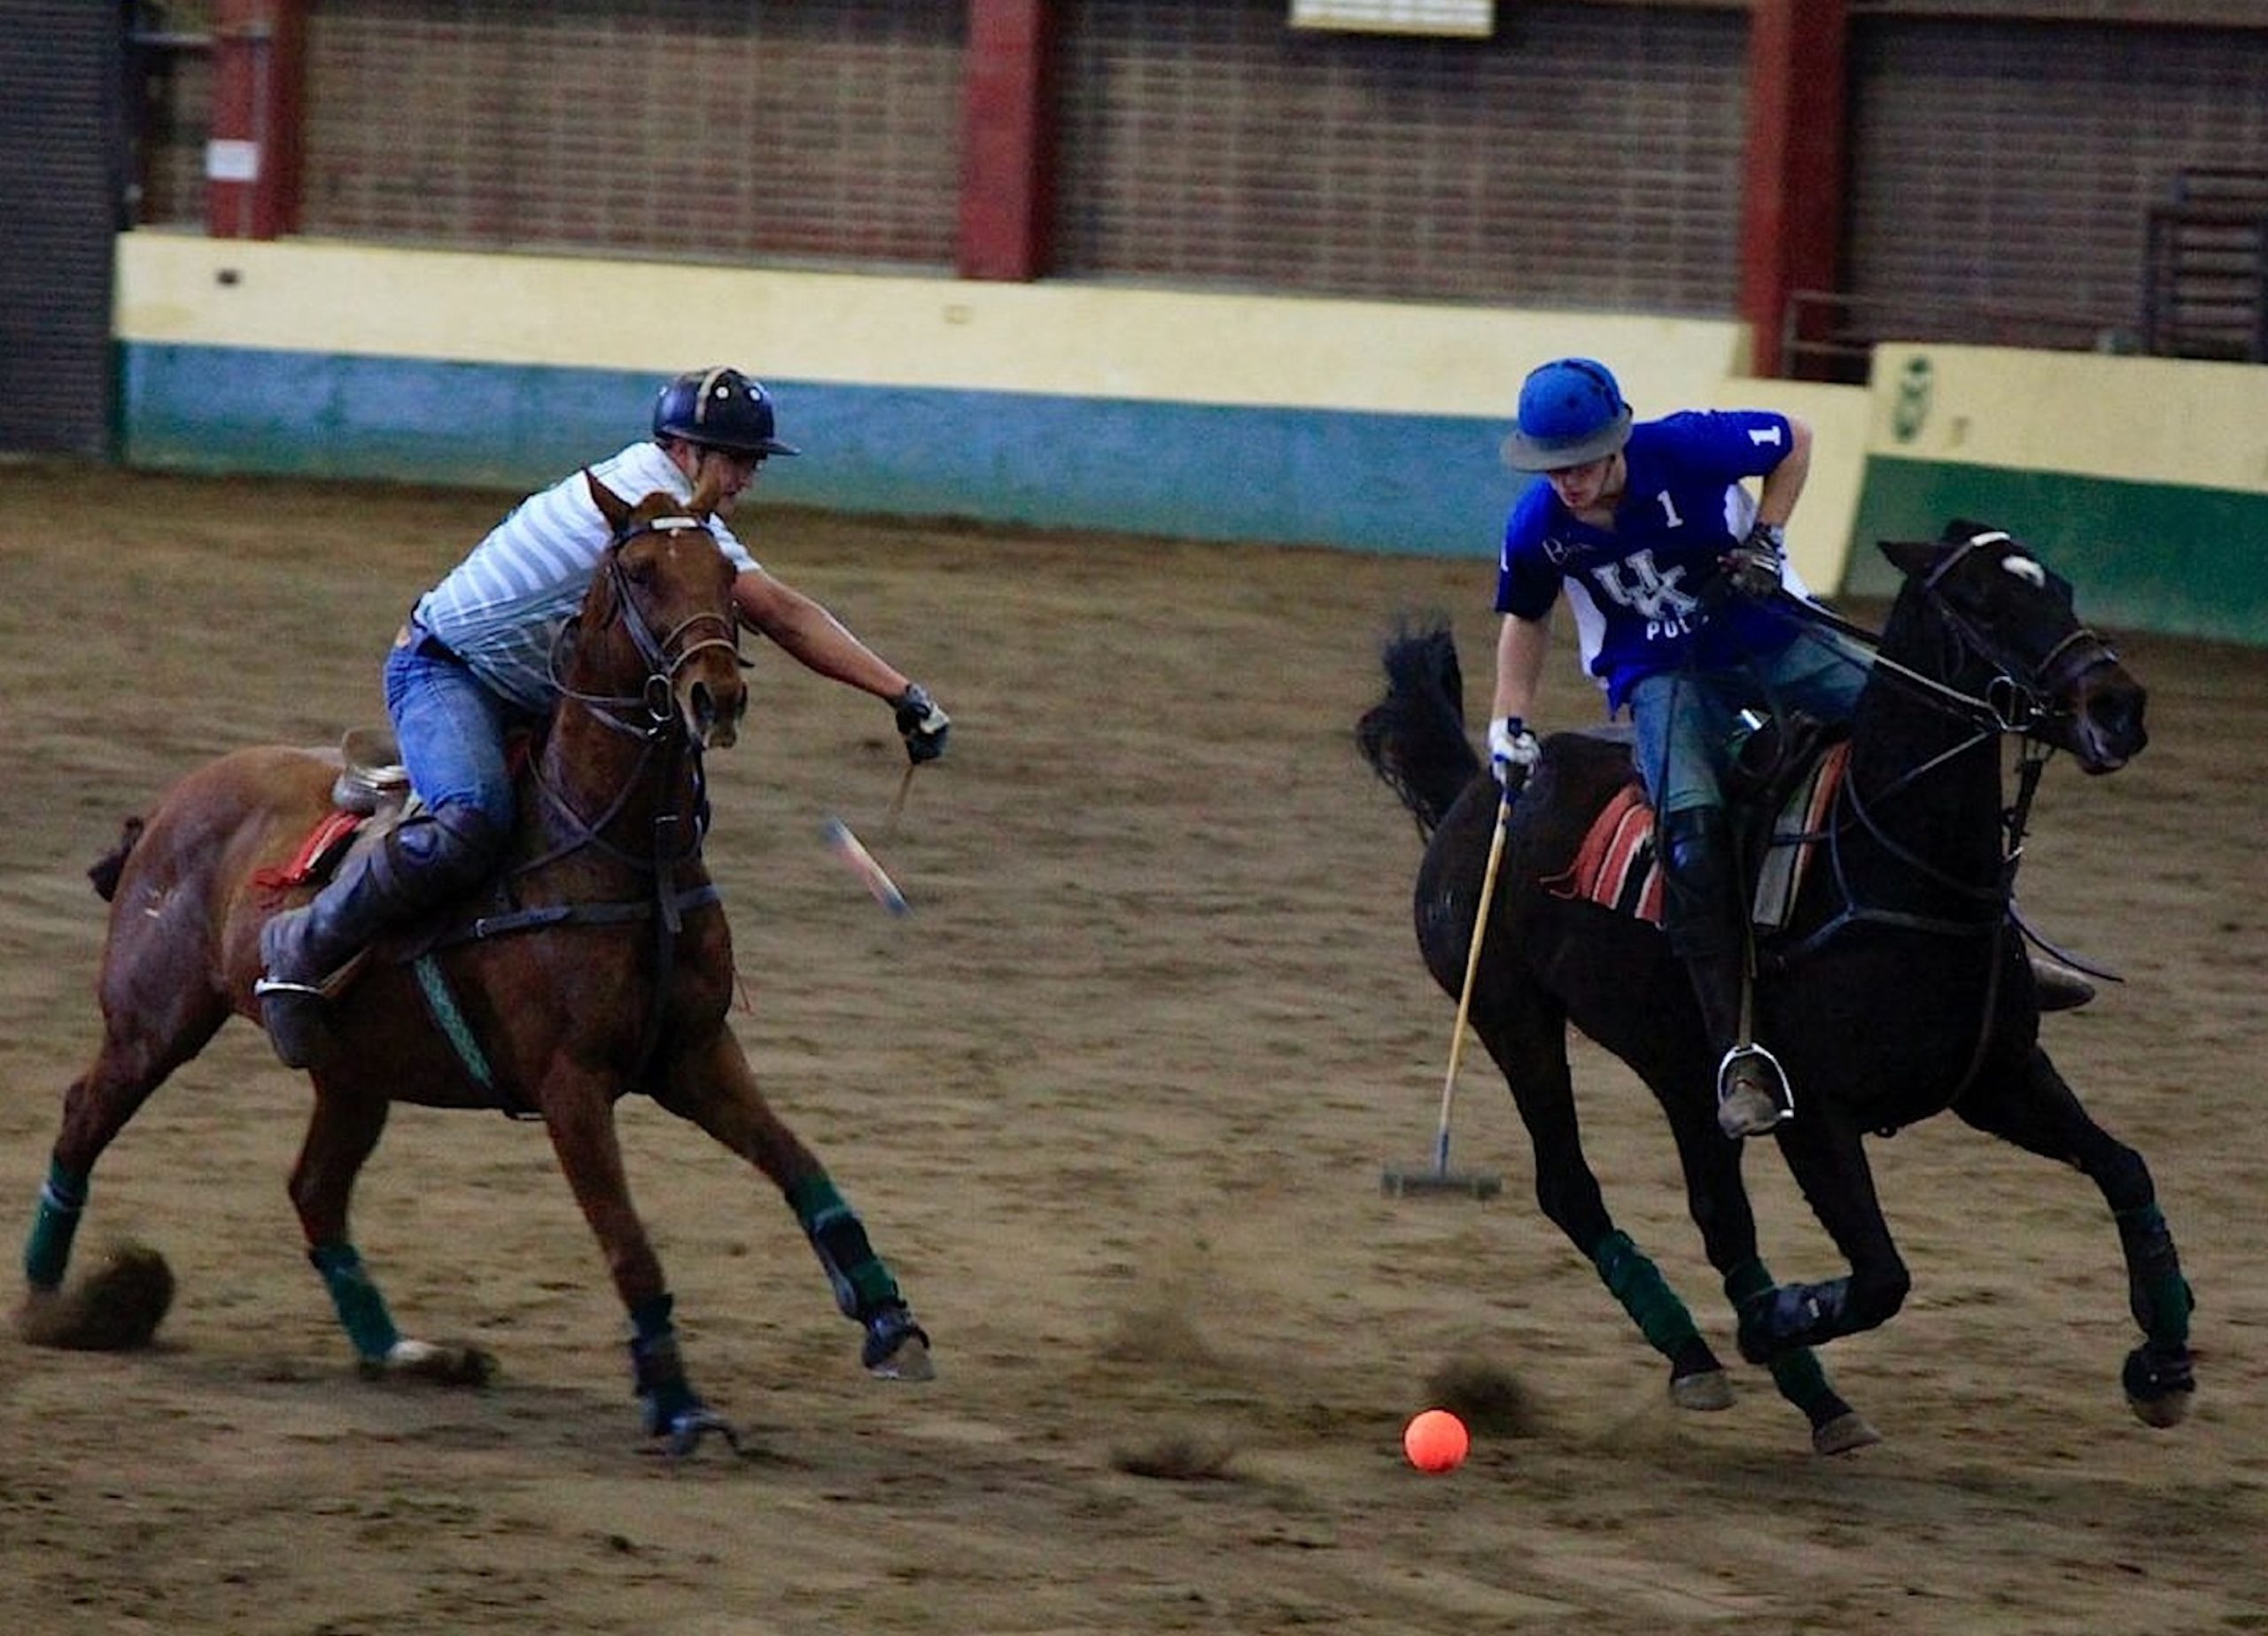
(2044, 673)
(659, 617)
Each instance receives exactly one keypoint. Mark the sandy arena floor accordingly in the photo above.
(1114, 1101)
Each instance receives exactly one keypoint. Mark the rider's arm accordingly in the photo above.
(1521, 648)
(1784, 484)
(812, 635)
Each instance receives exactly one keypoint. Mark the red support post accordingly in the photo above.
(252, 162)
(1793, 169)
(1007, 140)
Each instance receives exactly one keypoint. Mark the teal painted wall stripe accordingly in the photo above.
(1396, 482)
(2188, 561)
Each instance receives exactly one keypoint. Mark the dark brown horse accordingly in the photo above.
(598, 964)
(1897, 988)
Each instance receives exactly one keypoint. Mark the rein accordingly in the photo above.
(667, 756)
(2008, 705)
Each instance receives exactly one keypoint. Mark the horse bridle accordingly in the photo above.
(660, 730)
(2008, 705)
(663, 656)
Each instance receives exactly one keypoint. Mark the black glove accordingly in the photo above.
(920, 723)
(1753, 567)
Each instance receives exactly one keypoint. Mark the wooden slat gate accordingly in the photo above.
(61, 201)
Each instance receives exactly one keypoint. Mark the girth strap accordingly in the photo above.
(448, 1016)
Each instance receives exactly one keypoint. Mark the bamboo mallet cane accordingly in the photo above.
(1440, 1180)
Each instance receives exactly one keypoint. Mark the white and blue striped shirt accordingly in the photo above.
(501, 607)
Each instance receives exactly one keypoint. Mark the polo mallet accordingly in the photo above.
(1440, 1179)
(898, 801)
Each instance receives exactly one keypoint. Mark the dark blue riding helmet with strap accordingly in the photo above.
(718, 408)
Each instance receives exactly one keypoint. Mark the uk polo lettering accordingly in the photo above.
(1655, 595)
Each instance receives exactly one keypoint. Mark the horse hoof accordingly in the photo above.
(2159, 1385)
(688, 1427)
(1705, 1389)
(2161, 1413)
(438, 1366)
(897, 1348)
(1846, 1431)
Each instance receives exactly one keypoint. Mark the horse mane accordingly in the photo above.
(1414, 739)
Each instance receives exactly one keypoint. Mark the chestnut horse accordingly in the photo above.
(1897, 988)
(597, 964)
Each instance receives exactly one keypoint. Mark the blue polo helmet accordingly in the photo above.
(718, 408)
(1571, 413)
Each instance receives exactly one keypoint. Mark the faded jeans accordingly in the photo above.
(452, 727)
(1684, 720)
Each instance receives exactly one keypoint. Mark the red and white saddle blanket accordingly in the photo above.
(1617, 866)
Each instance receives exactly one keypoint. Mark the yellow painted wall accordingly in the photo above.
(1079, 340)
(2139, 420)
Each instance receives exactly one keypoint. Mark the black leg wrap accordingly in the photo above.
(1792, 1314)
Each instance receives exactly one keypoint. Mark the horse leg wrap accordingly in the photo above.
(1798, 1374)
(54, 1222)
(362, 1309)
(2156, 1293)
(1635, 1282)
(657, 1369)
(1783, 1317)
(854, 1272)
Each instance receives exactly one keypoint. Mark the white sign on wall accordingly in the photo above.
(1474, 19)
(228, 159)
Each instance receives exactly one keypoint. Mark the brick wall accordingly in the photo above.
(825, 130)
(2003, 170)
(1586, 156)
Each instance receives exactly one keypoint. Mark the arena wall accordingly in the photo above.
(2145, 479)
(1366, 425)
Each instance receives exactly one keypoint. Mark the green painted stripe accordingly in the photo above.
(2184, 560)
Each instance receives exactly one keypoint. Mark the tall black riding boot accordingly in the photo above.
(1705, 917)
(423, 862)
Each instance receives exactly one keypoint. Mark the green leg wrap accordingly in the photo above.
(362, 1309)
(1644, 1293)
(656, 1371)
(48, 1252)
(1798, 1374)
(2156, 1293)
(854, 1272)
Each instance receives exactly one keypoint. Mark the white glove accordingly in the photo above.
(1511, 745)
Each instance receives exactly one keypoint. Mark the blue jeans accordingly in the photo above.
(1684, 720)
(452, 728)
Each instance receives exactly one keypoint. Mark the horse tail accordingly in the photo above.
(1414, 738)
(105, 870)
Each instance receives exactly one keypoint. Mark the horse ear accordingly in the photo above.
(704, 495)
(610, 504)
(1912, 557)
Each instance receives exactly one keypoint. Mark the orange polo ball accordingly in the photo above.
(1435, 1442)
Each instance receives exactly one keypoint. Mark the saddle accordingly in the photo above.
(1779, 787)
(370, 795)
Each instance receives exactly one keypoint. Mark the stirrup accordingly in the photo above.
(1746, 1106)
